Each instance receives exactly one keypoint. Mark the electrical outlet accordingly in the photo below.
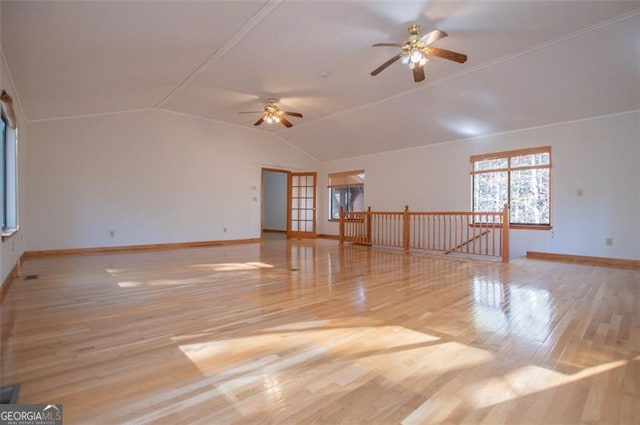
(224, 230)
(609, 241)
(579, 193)
(112, 233)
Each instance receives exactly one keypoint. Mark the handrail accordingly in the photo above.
(467, 242)
(472, 233)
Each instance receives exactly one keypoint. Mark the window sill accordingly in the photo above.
(8, 232)
(513, 226)
(531, 227)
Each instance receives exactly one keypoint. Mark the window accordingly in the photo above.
(4, 171)
(8, 150)
(346, 190)
(519, 178)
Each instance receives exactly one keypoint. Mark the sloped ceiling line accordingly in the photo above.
(532, 63)
(262, 14)
(15, 95)
(436, 82)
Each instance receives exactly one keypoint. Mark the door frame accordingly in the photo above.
(311, 235)
(288, 189)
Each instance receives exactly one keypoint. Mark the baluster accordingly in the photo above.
(486, 236)
(386, 229)
(475, 222)
(433, 232)
(468, 226)
(449, 233)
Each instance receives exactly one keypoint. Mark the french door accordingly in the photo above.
(301, 220)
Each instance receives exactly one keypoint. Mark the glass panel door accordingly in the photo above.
(302, 205)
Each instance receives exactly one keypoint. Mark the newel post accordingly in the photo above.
(368, 221)
(505, 233)
(405, 228)
(341, 237)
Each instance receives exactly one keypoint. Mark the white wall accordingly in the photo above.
(158, 177)
(274, 200)
(149, 176)
(601, 156)
(12, 248)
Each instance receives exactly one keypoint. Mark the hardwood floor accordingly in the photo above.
(307, 332)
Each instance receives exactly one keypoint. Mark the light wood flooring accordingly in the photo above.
(305, 332)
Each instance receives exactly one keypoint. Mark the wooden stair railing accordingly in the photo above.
(463, 244)
(473, 233)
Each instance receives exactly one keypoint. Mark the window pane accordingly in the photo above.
(334, 197)
(530, 196)
(3, 164)
(356, 198)
(489, 191)
(490, 164)
(529, 160)
(351, 198)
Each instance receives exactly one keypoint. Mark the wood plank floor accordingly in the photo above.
(307, 332)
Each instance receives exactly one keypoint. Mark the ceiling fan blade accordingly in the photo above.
(286, 122)
(386, 64)
(418, 74)
(260, 121)
(293, 114)
(433, 36)
(387, 45)
(251, 112)
(445, 54)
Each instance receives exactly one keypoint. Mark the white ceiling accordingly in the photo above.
(530, 63)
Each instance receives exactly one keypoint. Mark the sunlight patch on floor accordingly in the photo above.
(226, 267)
(129, 284)
(485, 393)
(163, 282)
(527, 380)
(401, 356)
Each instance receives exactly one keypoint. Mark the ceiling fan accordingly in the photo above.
(273, 115)
(417, 49)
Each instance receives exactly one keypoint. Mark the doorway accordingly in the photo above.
(288, 204)
(274, 203)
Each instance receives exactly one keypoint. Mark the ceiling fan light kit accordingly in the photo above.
(272, 114)
(416, 51)
(415, 54)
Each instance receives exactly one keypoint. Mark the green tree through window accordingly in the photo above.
(519, 178)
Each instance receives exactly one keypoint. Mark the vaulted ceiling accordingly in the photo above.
(530, 63)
